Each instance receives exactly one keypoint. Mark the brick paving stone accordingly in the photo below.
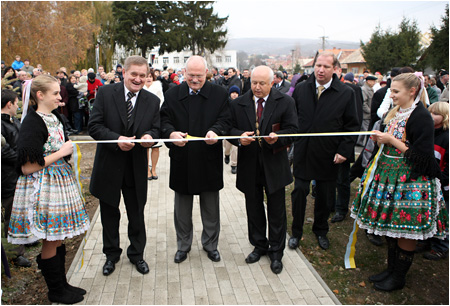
(197, 280)
(134, 297)
(256, 299)
(203, 300)
(107, 298)
(200, 288)
(283, 298)
(120, 302)
(229, 300)
(187, 296)
(301, 302)
(174, 300)
(310, 297)
(214, 296)
(160, 297)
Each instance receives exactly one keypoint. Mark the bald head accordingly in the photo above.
(196, 69)
(263, 70)
(262, 81)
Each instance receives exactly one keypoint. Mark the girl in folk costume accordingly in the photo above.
(400, 195)
(47, 203)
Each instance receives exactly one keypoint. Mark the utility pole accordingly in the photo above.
(323, 38)
(323, 41)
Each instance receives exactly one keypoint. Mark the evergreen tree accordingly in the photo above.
(201, 29)
(387, 49)
(281, 68)
(144, 25)
(438, 53)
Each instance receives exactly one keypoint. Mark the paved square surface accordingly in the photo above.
(197, 280)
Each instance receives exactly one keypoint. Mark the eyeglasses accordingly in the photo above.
(198, 77)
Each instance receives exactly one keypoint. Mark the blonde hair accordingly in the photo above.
(40, 83)
(440, 108)
(409, 80)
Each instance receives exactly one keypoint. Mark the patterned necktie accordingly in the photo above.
(320, 89)
(130, 96)
(259, 110)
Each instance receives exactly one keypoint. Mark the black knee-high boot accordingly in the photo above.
(61, 252)
(396, 280)
(392, 251)
(52, 274)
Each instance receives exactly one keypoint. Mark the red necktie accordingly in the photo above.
(259, 110)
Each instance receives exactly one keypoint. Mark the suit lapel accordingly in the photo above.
(119, 101)
(269, 108)
(249, 108)
(140, 109)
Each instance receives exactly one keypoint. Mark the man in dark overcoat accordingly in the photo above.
(123, 111)
(263, 163)
(196, 108)
(324, 104)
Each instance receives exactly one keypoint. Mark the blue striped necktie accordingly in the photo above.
(130, 96)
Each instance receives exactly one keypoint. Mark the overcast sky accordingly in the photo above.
(339, 20)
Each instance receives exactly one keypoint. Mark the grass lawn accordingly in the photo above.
(427, 281)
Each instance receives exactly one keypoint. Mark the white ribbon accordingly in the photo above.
(193, 138)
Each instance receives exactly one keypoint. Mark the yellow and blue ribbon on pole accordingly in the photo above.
(349, 258)
(77, 161)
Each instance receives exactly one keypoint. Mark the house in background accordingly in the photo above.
(355, 63)
(351, 60)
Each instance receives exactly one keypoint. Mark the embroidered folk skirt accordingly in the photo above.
(47, 205)
(397, 206)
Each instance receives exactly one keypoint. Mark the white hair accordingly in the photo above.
(197, 56)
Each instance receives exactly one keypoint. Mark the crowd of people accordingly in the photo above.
(403, 167)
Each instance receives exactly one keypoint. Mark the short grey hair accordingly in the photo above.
(135, 60)
(279, 74)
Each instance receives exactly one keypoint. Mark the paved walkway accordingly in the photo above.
(197, 280)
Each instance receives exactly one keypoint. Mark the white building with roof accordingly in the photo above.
(177, 60)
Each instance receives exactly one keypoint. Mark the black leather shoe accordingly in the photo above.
(337, 218)
(227, 159)
(324, 243)
(109, 267)
(213, 255)
(142, 267)
(276, 266)
(293, 243)
(254, 256)
(180, 256)
(233, 169)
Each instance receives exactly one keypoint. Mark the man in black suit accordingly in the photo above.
(123, 111)
(341, 202)
(324, 104)
(196, 108)
(263, 163)
(280, 83)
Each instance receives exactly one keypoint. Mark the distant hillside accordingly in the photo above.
(279, 46)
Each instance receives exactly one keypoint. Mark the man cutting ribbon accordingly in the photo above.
(122, 111)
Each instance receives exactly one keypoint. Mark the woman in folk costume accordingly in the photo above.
(48, 204)
(399, 196)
